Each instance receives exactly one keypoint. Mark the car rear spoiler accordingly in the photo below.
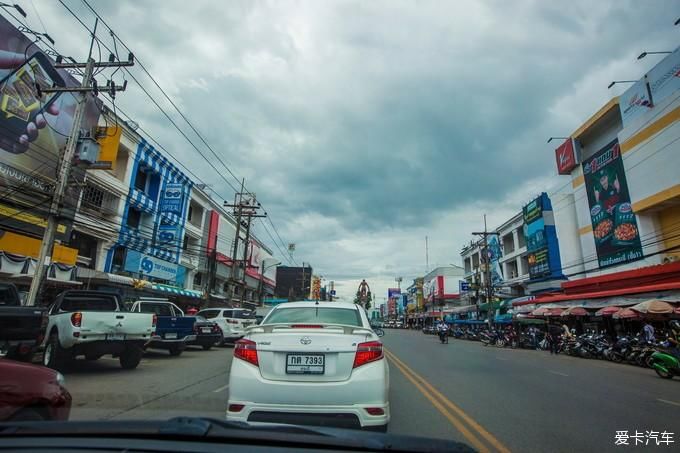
(347, 330)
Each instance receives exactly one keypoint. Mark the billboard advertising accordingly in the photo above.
(664, 78)
(393, 292)
(494, 254)
(635, 101)
(565, 156)
(543, 253)
(617, 238)
(33, 131)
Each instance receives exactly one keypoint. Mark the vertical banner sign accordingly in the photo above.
(170, 208)
(537, 244)
(494, 256)
(617, 238)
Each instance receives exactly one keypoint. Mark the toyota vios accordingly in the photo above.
(311, 363)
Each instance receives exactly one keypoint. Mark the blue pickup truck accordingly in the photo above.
(173, 330)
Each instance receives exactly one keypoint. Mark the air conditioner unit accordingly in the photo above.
(671, 259)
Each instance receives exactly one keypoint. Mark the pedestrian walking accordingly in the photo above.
(648, 332)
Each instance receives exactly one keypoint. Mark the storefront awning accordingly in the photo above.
(175, 290)
(464, 309)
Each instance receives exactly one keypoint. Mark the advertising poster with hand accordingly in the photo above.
(617, 238)
(34, 129)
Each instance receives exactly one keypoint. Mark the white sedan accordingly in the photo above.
(313, 363)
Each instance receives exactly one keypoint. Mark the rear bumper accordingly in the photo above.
(162, 343)
(105, 347)
(206, 339)
(347, 416)
(265, 399)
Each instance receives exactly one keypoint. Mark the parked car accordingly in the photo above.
(311, 363)
(208, 333)
(94, 323)
(22, 329)
(173, 330)
(31, 392)
(231, 321)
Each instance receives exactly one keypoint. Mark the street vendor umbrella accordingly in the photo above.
(653, 306)
(607, 311)
(626, 313)
(547, 311)
(575, 311)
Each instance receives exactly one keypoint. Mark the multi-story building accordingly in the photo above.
(513, 260)
(441, 288)
(623, 198)
(293, 282)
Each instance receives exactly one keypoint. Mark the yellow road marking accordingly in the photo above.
(454, 421)
(470, 421)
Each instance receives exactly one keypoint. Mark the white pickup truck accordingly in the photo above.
(94, 323)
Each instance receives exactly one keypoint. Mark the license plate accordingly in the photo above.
(205, 329)
(170, 336)
(305, 363)
(116, 336)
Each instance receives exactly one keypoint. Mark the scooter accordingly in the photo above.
(665, 364)
(443, 336)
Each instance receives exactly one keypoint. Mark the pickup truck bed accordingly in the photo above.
(93, 323)
(173, 330)
(21, 328)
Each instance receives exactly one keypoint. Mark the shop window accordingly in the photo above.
(87, 247)
(190, 213)
(185, 243)
(134, 217)
(198, 279)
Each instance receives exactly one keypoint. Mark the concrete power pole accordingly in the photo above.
(64, 167)
(245, 205)
(487, 268)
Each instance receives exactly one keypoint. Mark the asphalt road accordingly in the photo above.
(494, 399)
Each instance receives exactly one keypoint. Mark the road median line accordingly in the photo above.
(443, 399)
(458, 424)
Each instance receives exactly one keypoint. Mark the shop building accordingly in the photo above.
(513, 261)
(441, 288)
(293, 282)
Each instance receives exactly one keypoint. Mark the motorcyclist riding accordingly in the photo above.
(443, 330)
(674, 338)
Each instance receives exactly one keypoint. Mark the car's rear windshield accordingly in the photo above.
(314, 314)
(238, 314)
(208, 314)
(89, 304)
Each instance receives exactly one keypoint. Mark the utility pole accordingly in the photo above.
(64, 166)
(303, 279)
(245, 205)
(487, 268)
(427, 256)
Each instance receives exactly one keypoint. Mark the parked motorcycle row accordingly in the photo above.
(628, 349)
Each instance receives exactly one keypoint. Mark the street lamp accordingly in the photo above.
(620, 81)
(557, 138)
(15, 6)
(644, 54)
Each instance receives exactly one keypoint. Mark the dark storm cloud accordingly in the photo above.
(375, 119)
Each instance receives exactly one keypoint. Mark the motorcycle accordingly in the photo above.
(443, 336)
(665, 364)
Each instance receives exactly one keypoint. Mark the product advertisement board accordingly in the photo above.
(543, 253)
(615, 230)
(33, 132)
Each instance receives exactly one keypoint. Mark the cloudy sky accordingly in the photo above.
(365, 126)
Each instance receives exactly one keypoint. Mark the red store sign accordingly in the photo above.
(565, 156)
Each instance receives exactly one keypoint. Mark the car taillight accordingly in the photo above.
(375, 411)
(236, 407)
(76, 319)
(246, 350)
(367, 352)
(154, 320)
(215, 328)
(307, 326)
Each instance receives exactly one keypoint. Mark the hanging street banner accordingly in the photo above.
(615, 230)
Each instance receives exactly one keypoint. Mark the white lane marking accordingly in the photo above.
(224, 387)
(668, 402)
(558, 373)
